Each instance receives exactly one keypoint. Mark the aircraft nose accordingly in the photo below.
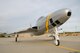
(68, 12)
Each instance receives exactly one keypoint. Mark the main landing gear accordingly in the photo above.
(16, 37)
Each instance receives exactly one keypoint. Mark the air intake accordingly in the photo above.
(69, 14)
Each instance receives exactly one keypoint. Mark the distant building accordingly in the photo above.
(70, 34)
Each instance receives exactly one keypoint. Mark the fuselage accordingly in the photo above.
(55, 19)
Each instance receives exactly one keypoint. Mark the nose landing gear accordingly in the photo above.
(56, 37)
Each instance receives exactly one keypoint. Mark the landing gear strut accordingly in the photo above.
(56, 37)
(16, 37)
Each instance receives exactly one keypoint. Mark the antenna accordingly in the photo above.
(30, 26)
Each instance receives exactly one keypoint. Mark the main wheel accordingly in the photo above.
(57, 42)
(16, 39)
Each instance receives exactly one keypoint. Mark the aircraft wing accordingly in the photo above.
(29, 30)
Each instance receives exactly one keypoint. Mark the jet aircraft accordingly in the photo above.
(50, 24)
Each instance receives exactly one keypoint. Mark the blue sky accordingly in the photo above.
(16, 15)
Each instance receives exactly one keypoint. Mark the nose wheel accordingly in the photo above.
(57, 42)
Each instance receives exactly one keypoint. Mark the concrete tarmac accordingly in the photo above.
(68, 44)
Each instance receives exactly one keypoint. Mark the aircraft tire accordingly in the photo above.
(57, 42)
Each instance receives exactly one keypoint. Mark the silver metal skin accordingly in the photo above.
(60, 15)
